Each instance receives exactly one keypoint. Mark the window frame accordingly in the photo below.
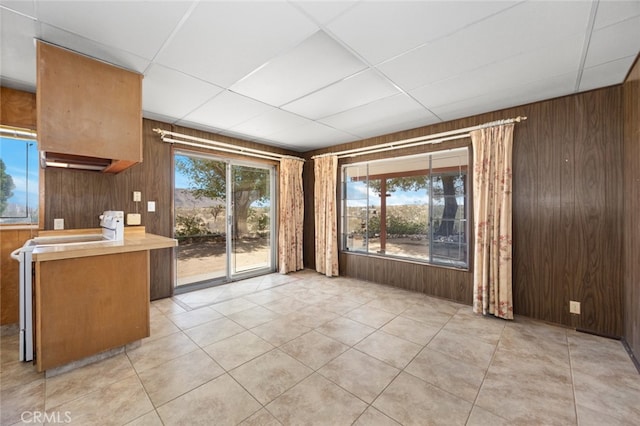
(463, 219)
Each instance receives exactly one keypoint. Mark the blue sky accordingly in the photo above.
(14, 154)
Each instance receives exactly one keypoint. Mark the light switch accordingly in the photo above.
(137, 196)
(151, 206)
(58, 224)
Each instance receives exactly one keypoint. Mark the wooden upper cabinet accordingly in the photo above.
(88, 109)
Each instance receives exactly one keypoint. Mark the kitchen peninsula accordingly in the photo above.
(91, 297)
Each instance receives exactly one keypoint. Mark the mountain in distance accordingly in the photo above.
(184, 198)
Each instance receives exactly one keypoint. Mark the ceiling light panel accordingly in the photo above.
(352, 92)
(174, 94)
(315, 63)
(614, 42)
(226, 110)
(17, 50)
(139, 27)
(222, 42)
(381, 30)
(387, 115)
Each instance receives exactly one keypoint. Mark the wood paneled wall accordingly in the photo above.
(567, 214)
(17, 108)
(631, 95)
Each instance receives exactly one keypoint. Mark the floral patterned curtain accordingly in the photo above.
(492, 151)
(325, 171)
(291, 216)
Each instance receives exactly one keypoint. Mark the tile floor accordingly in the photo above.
(306, 349)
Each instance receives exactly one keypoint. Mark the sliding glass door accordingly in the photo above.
(223, 212)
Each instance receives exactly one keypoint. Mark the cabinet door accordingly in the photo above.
(88, 108)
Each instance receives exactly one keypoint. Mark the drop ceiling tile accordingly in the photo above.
(312, 136)
(222, 42)
(139, 27)
(602, 75)
(526, 27)
(90, 48)
(17, 49)
(612, 12)
(324, 12)
(174, 94)
(226, 110)
(527, 67)
(315, 63)
(391, 114)
(352, 92)
(271, 121)
(26, 7)
(510, 96)
(381, 30)
(614, 42)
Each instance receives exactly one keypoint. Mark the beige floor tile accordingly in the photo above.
(311, 316)
(280, 331)
(116, 404)
(15, 401)
(178, 376)
(487, 328)
(263, 297)
(316, 401)
(221, 401)
(213, 331)
(270, 375)
(411, 401)
(236, 350)
(411, 330)
(18, 373)
(391, 304)
(261, 418)
(253, 317)
(231, 306)
(285, 305)
(372, 317)
(314, 349)
(76, 383)
(428, 315)
(161, 326)
(338, 304)
(168, 306)
(346, 330)
(456, 377)
(200, 298)
(482, 417)
(530, 344)
(464, 348)
(373, 417)
(608, 397)
(360, 374)
(155, 352)
(149, 419)
(190, 319)
(590, 417)
(390, 349)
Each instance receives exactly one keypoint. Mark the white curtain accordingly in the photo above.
(325, 173)
(291, 216)
(492, 211)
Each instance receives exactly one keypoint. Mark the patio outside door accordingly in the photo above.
(223, 216)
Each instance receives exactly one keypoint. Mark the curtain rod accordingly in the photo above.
(18, 133)
(219, 146)
(420, 140)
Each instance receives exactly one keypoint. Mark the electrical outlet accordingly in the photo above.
(574, 307)
(137, 196)
(58, 224)
(151, 206)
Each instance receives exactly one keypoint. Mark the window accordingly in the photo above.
(18, 180)
(411, 207)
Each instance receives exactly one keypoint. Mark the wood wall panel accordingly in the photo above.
(567, 213)
(631, 96)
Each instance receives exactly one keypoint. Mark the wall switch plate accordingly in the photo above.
(58, 224)
(151, 206)
(133, 219)
(137, 196)
(574, 307)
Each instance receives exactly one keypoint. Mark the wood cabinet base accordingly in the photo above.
(88, 305)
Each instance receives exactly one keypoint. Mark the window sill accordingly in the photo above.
(404, 260)
(17, 227)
